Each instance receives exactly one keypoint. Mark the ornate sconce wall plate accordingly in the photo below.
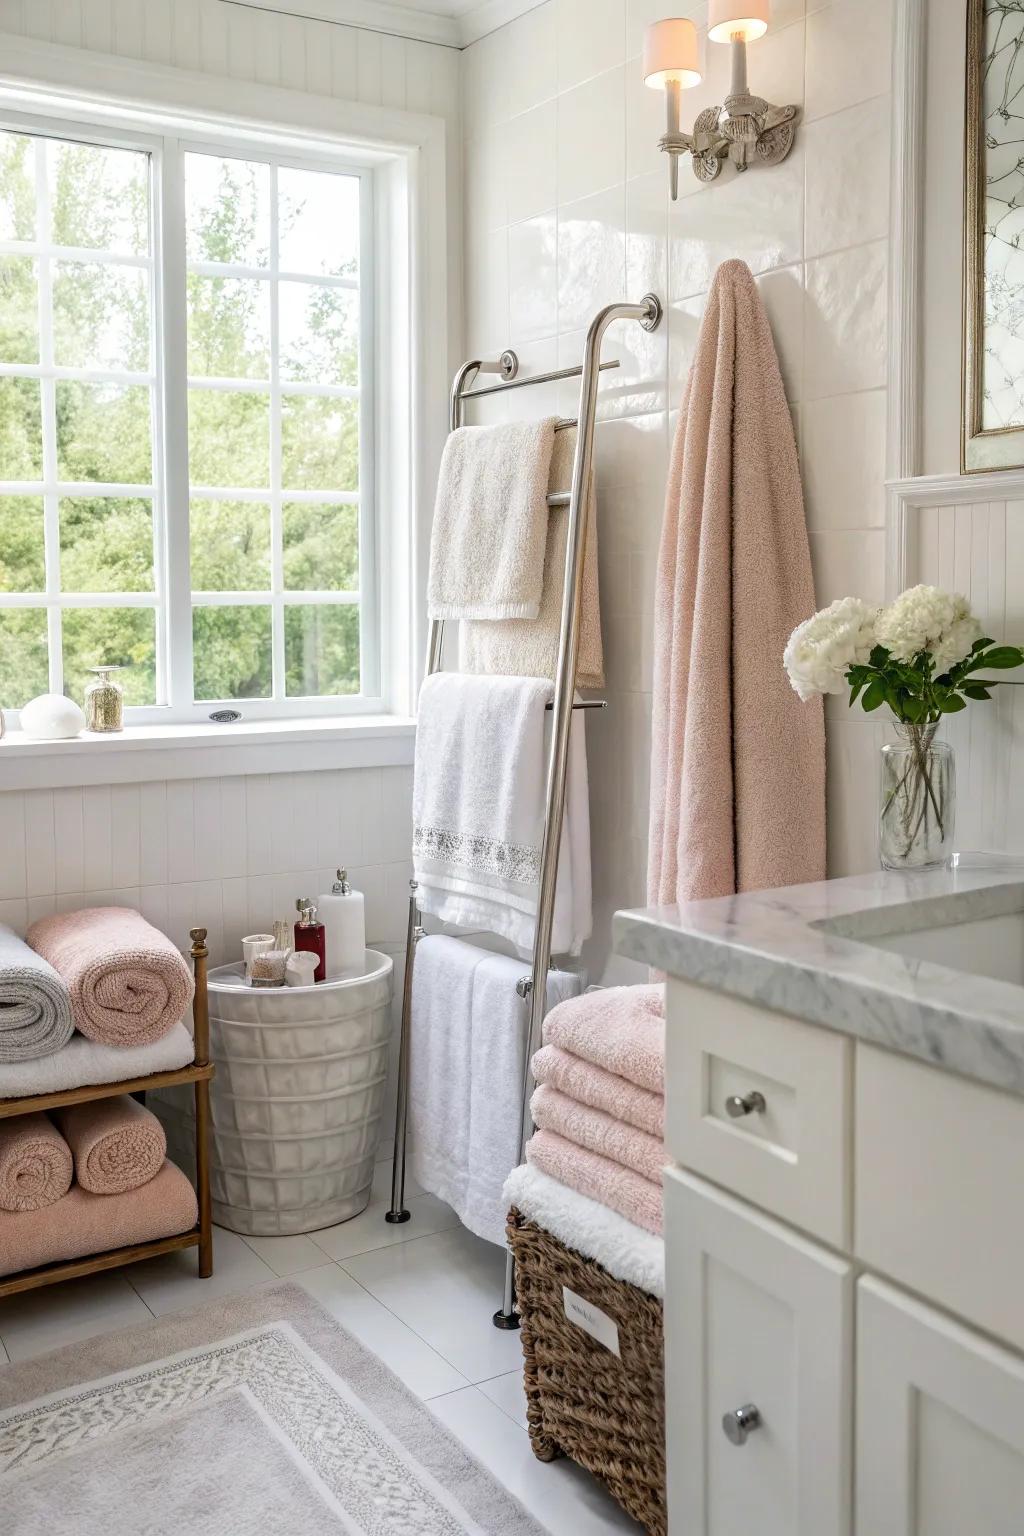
(747, 131)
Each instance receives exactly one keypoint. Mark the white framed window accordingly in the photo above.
(187, 433)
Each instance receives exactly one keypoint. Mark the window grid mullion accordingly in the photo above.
(157, 506)
(263, 274)
(80, 375)
(48, 422)
(81, 254)
(80, 600)
(171, 285)
(276, 531)
(369, 648)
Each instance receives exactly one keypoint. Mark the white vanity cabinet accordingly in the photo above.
(940, 1423)
(758, 1342)
(814, 1174)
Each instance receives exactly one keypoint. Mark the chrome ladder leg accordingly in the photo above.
(398, 1212)
(507, 1315)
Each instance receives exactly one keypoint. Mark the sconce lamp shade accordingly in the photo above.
(671, 53)
(737, 20)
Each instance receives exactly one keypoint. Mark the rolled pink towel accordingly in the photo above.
(620, 1189)
(621, 1029)
(117, 1144)
(81, 1223)
(587, 1084)
(128, 983)
(35, 1163)
(598, 1132)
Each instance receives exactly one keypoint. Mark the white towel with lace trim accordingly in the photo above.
(479, 796)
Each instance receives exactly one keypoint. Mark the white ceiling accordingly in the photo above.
(455, 23)
(441, 7)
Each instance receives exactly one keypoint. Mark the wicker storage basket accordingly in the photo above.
(606, 1412)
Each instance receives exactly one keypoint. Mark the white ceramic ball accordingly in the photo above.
(51, 717)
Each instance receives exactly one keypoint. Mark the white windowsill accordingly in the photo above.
(197, 751)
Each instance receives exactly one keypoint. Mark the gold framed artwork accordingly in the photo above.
(993, 321)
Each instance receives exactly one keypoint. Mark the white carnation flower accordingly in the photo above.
(928, 619)
(822, 648)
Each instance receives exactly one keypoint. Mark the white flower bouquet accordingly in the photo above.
(921, 656)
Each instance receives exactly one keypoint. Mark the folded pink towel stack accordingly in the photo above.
(588, 1084)
(598, 1132)
(621, 1029)
(599, 1108)
(620, 1189)
(35, 1163)
(81, 1223)
(129, 985)
(117, 1144)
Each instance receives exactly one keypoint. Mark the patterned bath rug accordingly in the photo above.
(258, 1415)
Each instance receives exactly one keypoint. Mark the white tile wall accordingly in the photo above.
(566, 207)
(576, 213)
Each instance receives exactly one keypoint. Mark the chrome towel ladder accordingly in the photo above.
(533, 989)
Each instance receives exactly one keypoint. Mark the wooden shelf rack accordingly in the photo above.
(199, 1073)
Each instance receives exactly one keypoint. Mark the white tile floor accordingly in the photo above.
(419, 1295)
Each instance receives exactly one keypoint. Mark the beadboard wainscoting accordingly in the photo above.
(966, 534)
(229, 853)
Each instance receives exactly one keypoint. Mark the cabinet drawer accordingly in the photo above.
(938, 1188)
(755, 1317)
(790, 1151)
(940, 1424)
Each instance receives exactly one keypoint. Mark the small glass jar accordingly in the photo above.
(104, 702)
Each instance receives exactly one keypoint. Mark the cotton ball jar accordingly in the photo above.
(52, 717)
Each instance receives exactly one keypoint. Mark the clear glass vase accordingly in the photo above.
(917, 811)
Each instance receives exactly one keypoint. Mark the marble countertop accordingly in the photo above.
(801, 951)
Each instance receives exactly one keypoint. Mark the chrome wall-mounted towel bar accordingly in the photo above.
(533, 989)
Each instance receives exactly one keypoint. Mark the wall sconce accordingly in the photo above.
(747, 130)
(672, 64)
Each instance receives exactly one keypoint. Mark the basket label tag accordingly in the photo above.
(591, 1319)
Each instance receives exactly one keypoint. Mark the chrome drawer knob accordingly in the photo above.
(750, 1104)
(739, 1423)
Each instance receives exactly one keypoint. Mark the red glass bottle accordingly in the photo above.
(309, 935)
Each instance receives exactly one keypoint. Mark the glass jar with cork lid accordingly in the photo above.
(104, 701)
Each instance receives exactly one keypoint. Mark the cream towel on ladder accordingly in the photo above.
(468, 1056)
(491, 522)
(529, 647)
(479, 800)
(737, 761)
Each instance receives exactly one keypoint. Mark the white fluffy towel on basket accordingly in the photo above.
(479, 799)
(468, 1057)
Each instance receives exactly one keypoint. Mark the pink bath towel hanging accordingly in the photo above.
(737, 761)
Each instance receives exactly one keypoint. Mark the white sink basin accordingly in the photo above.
(986, 946)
